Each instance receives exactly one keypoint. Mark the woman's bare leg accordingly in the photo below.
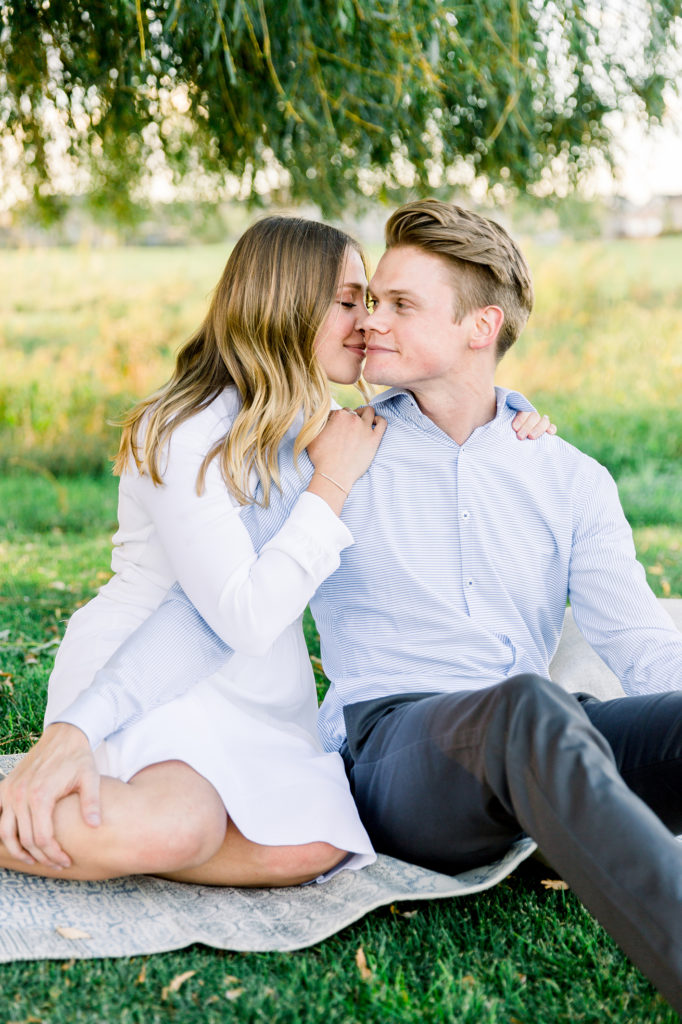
(244, 863)
(168, 820)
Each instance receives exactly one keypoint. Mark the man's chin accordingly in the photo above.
(376, 376)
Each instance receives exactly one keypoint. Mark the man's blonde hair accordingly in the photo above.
(489, 268)
(259, 336)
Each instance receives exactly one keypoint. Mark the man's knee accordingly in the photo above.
(526, 709)
(538, 713)
(534, 694)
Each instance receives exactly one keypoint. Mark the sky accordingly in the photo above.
(650, 162)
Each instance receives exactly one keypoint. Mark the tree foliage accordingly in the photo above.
(325, 99)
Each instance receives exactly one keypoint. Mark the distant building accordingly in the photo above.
(662, 215)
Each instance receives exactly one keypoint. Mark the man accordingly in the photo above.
(439, 625)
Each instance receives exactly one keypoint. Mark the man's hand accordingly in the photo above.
(60, 763)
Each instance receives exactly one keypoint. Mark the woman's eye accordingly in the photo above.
(349, 305)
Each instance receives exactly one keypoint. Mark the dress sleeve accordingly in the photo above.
(246, 598)
(163, 658)
(233, 598)
(613, 605)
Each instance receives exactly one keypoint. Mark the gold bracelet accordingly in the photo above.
(332, 481)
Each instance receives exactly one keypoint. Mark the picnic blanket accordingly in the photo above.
(54, 919)
(43, 919)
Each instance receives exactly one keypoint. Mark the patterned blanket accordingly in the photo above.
(46, 919)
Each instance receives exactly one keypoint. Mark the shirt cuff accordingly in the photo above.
(313, 535)
(91, 713)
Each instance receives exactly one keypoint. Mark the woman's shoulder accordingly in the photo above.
(207, 425)
(195, 435)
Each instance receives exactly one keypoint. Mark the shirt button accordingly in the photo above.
(470, 583)
(465, 515)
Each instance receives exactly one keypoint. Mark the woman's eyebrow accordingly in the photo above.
(353, 287)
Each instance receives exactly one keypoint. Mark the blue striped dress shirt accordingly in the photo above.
(464, 557)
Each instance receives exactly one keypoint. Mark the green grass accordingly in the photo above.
(517, 953)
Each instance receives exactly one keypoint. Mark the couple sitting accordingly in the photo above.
(437, 552)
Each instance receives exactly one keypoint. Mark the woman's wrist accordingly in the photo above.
(329, 489)
(345, 491)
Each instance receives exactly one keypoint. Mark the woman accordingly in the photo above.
(228, 784)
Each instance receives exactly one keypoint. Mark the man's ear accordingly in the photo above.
(486, 327)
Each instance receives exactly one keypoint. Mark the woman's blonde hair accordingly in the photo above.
(258, 335)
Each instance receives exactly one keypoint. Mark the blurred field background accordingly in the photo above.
(85, 332)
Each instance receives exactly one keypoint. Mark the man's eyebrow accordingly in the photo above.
(405, 292)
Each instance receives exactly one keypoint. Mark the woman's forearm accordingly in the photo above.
(163, 658)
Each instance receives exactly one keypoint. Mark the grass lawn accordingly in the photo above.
(518, 953)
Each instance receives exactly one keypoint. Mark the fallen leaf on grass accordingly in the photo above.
(234, 993)
(361, 961)
(177, 983)
(6, 684)
(30, 659)
(67, 932)
(402, 913)
(554, 883)
(142, 976)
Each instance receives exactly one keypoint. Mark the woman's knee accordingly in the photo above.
(183, 836)
(175, 820)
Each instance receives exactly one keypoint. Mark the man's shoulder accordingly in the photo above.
(554, 449)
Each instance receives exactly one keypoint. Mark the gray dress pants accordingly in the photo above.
(448, 781)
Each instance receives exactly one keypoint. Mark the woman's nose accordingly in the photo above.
(362, 318)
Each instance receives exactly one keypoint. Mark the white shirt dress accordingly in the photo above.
(251, 727)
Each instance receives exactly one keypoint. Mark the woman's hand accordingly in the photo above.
(61, 762)
(532, 425)
(343, 451)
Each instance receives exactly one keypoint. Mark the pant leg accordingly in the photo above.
(451, 779)
(645, 735)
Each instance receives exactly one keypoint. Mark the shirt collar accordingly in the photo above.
(400, 399)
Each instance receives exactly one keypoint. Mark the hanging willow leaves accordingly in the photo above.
(348, 96)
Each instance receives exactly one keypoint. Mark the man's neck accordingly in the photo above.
(458, 410)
